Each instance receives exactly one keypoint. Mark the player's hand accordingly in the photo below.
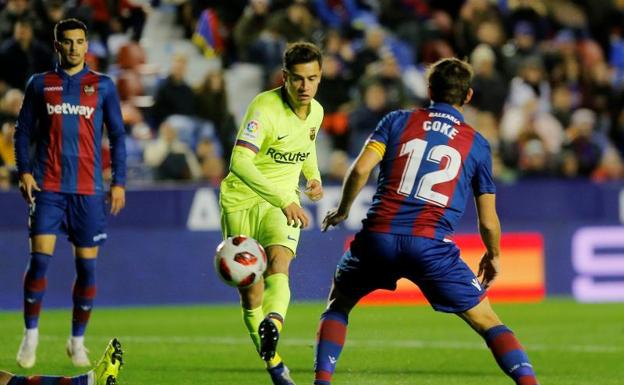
(314, 190)
(295, 216)
(28, 185)
(333, 218)
(117, 199)
(489, 268)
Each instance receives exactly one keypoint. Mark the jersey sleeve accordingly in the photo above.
(116, 132)
(26, 122)
(255, 128)
(243, 167)
(378, 140)
(483, 181)
(310, 165)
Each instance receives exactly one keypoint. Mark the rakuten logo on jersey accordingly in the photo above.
(70, 109)
(287, 157)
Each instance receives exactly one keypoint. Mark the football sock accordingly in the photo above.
(276, 295)
(83, 295)
(330, 339)
(35, 283)
(252, 319)
(510, 355)
(50, 380)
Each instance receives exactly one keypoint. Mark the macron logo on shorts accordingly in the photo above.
(70, 109)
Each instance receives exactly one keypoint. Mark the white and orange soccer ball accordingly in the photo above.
(240, 261)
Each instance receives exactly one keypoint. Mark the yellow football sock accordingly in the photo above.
(252, 319)
(274, 361)
(276, 296)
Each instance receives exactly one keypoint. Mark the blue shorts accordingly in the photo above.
(379, 260)
(81, 217)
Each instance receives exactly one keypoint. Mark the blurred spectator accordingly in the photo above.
(610, 168)
(5, 178)
(520, 47)
(12, 10)
(295, 23)
(364, 119)
(211, 162)
(49, 13)
(267, 50)
(582, 142)
(212, 105)
(533, 159)
(170, 158)
(490, 88)
(334, 97)
(7, 151)
(23, 55)
(174, 95)
(10, 104)
(249, 26)
(370, 52)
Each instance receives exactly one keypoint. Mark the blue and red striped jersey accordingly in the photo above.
(63, 116)
(432, 161)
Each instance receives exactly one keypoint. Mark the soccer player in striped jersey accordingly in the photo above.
(260, 198)
(430, 162)
(63, 117)
(105, 372)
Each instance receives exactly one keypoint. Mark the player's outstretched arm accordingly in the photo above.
(356, 178)
(490, 230)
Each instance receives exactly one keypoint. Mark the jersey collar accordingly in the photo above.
(448, 109)
(64, 74)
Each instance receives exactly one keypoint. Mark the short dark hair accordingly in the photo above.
(449, 81)
(301, 52)
(66, 25)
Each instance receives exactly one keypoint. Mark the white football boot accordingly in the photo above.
(27, 353)
(78, 352)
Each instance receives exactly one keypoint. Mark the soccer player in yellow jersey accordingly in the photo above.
(260, 195)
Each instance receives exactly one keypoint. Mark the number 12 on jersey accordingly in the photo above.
(415, 152)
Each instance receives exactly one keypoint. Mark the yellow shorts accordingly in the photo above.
(263, 222)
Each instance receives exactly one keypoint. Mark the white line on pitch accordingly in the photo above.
(414, 344)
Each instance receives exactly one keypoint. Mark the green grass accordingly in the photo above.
(568, 343)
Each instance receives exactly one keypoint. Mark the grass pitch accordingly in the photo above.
(568, 343)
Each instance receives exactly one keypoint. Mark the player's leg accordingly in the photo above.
(509, 354)
(237, 223)
(366, 266)
(105, 372)
(86, 222)
(275, 300)
(331, 335)
(45, 221)
(83, 295)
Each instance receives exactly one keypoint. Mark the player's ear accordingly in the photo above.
(57, 46)
(469, 96)
(284, 75)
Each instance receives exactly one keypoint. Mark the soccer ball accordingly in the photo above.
(240, 261)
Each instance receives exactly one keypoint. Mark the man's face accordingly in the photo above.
(72, 46)
(302, 82)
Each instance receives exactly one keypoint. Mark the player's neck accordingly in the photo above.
(301, 110)
(72, 70)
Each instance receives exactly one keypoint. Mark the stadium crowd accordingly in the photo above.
(549, 76)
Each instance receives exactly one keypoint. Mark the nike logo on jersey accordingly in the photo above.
(281, 137)
(291, 238)
(476, 284)
(70, 109)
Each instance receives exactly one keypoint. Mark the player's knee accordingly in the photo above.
(43, 244)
